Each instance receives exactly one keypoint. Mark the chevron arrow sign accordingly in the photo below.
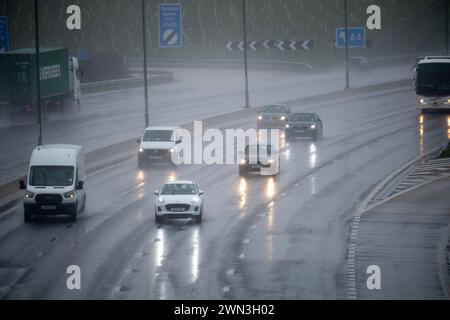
(280, 45)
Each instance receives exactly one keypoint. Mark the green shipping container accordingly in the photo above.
(18, 74)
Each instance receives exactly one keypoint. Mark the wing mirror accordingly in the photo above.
(179, 140)
(22, 185)
(201, 192)
(138, 140)
(156, 193)
(80, 185)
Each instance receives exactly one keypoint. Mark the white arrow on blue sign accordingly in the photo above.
(356, 36)
(170, 29)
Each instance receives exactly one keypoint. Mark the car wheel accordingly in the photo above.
(140, 163)
(27, 215)
(74, 214)
(84, 204)
(158, 219)
(198, 219)
(314, 137)
(242, 171)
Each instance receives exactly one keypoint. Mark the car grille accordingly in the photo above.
(169, 207)
(48, 199)
(156, 152)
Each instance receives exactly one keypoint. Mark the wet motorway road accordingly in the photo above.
(261, 237)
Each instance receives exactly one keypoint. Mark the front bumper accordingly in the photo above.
(300, 132)
(174, 211)
(155, 155)
(271, 124)
(50, 209)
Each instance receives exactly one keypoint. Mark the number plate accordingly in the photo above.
(177, 209)
(255, 166)
(48, 207)
(155, 157)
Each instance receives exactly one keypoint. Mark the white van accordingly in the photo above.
(55, 182)
(159, 144)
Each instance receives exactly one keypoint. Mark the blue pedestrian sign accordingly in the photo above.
(170, 30)
(4, 37)
(356, 36)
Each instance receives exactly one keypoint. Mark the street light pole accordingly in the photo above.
(244, 22)
(38, 77)
(144, 44)
(446, 25)
(347, 75)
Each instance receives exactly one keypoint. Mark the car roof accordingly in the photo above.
(161, 128)
(180, 182)
(437, 59)
(55, 154)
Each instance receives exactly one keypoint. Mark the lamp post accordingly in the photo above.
(244, 23)
(144, 44)
(38, 77)
(347, 75)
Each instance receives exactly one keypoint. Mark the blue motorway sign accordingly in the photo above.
(170, 29)
(356, 36)
(4, 37)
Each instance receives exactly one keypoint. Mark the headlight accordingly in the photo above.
(141, 150)
(288, 126)
(271, 161)
(259, 117)
(195, 200)
(242, 161)
(422, 101)
(161, 200)
(313, 126)
(69, 195)
(171, 150)
(29, 195)
(283, 118)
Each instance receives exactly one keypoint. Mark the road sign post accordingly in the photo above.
(4, 34)
(170, 28)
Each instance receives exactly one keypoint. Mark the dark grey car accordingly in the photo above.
(272, 116)
(303, 125)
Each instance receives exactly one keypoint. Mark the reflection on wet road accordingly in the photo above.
(261, 237)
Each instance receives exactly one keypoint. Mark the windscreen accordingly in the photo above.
(55, 176)
(158, 135)
(273, 109)
(179, 189)
(302, 117)
(433, 79)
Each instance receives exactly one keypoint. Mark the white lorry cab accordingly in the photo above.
(159, 144)
(55, 182)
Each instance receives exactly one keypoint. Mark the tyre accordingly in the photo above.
(27, 216)
(314, 137)
(83, 207)
(140, 163)
(199, 218)
(158, 219)
(74, 214)
(242, 171)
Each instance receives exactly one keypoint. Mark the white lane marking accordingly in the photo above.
(241, 256)
(246, 241)
(226, 289)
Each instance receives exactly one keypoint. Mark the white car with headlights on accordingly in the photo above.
(179, 200)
